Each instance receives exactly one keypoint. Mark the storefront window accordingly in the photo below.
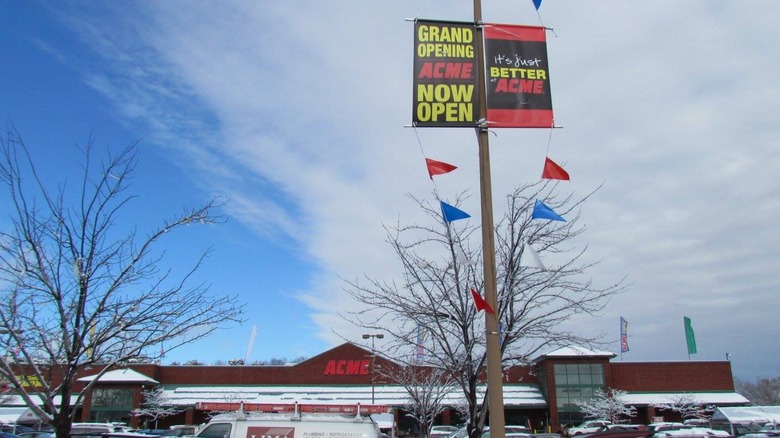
(111, 405)
(573, 383)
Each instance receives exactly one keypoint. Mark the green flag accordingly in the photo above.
(689, 337)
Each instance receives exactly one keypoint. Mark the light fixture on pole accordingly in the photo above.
(373, 355)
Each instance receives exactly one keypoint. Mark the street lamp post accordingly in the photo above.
(373, 355)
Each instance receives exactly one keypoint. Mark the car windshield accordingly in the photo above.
(460, 434)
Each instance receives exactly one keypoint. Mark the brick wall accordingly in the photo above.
(671, 376)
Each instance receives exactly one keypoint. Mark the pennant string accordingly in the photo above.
(419, 142)
(549, 141)
(449, 213)
(540, 20)
(422, 152)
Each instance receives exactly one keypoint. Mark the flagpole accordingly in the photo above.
(494, 373)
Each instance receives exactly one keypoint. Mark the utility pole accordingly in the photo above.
(494, 373)
(373, 355)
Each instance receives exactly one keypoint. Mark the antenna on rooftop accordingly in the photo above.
(251, 343)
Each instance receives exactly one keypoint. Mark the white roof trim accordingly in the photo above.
(574, 351)
(125, 375)
(705, 398)
(16, 401)
(514, 395)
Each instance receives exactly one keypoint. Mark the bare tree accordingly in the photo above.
(441, 264)
(609, 405)
(78, 293)
(687, 405)
(426, 387)
(156, 405)
(763, 392)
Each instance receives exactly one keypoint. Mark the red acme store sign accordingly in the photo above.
(341, 367)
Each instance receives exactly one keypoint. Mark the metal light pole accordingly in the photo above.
(373, 355)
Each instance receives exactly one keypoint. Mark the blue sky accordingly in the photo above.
(295, 112)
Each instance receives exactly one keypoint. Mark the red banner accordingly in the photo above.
(518, 77)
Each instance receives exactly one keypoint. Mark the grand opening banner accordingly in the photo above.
(518, 77)
(445, 76)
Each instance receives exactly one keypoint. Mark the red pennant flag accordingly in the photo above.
(481, 303)
(438, 167)
(553, 171)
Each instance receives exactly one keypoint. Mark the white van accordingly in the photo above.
(242, 424)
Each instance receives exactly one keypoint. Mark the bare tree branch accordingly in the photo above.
(79, 293)
(609, 405)
(156, 405)
(763, 392)
(426, 388)
(441, 263)
(687, 405)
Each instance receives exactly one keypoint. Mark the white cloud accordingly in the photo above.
(295, 110)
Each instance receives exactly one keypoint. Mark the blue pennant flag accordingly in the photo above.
(537, 4)
(542, 211)
(451, 213)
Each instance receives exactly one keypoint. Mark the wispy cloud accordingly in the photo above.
(296, 111)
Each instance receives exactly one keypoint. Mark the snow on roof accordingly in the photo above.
(16, 401)
(514, 395)
(575, 351)
(748, 414)
(704, 398)
(125, 375)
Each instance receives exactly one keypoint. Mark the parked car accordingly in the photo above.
(189, 430)
(37, 434)
(441, 431)
(97, 430)
(692, 432)
(15, 429)
(768, 430)
(666, 425)
(622, 431)
(590, 426)
(509, 431)
(126, 435)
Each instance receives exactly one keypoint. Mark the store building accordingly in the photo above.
(542, 394)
